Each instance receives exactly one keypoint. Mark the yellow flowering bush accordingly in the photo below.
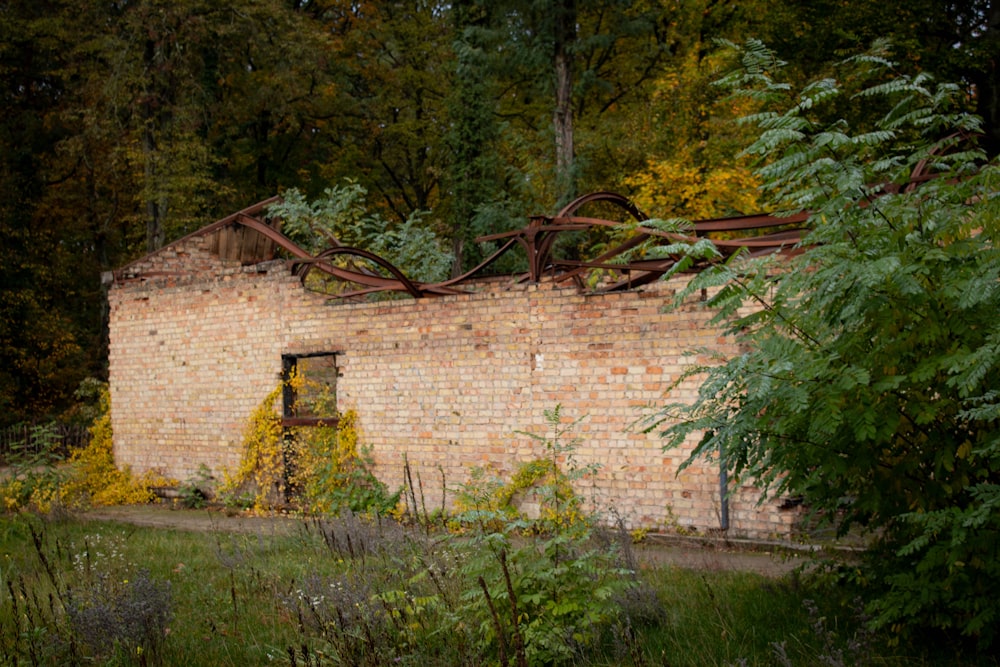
(259, 482)
(40, 481)
(322, 466)
(92, 476)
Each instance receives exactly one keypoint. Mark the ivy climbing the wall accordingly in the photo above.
(318, 469)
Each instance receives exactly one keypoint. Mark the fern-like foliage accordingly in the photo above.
(341, 217)
(869, 381)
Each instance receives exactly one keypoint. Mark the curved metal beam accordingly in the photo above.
(611, 197)
(373, 281)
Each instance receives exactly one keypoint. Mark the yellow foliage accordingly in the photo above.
(10, 493)
(319, 459)
(261, 471)
(559, 507)
(693, 170)
(323, 457)
(682, 186)
(89, 477)
(93, 476)
(638, 535)
(18, 494)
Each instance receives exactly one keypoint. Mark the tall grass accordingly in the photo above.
(355, 591)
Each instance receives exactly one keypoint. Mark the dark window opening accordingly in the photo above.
(312, 400)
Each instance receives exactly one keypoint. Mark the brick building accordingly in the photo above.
(202, 329)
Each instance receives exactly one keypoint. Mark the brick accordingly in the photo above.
(446, 381)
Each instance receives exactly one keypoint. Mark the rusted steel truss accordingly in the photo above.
(343, 272)
(618, 264)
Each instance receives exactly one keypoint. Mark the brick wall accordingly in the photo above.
(446, 381)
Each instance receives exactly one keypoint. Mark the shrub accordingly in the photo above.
(34, 476)
(334, 473)
(539, 603)
(868, 381)
(93, 476)
(194, 492)
(323, 467)
(127, 616)
(40, 480)
(340, 217)
(487, 501)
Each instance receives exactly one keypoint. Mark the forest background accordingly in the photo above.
(125, 124)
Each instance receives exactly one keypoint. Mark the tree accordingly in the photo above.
(396, 60)
(340, 218)
(869, 379)
(277, 102)
(123, 125)
(569, 64)
(958, 40)
(474, 174)
(693, 168)
(40, 356)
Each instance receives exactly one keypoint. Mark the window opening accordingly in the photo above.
(314, 400)
(310, 402)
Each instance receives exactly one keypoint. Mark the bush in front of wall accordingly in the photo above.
(545, 602)
(93, 478)
(40, 480)
(489, 502)
(322, 468)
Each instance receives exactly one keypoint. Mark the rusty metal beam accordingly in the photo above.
(538, 238)
(754, 234)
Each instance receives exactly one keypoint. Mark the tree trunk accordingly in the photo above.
(154, 209)
(155, 235)
(562, 118)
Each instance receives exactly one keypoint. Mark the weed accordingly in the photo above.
(488, 503)
(402, 598)
(546, 602)
(128, 617)
(639, 604)
(83, 602)
(34, 478)
(194, 492)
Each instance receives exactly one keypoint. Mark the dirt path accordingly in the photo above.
(770, 561)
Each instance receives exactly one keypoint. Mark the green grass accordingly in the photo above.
(237, 599)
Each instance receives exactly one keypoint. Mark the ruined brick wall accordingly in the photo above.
(446, 382)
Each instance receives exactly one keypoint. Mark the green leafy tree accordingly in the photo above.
(396, 62)
(868, 384)
(567, 68)
(959, 40)
(474, 175)
(40, 292)
(340, 217)
(124, 125)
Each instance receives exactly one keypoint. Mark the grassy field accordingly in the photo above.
(356, 592)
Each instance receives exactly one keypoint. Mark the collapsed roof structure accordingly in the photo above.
(250, 236)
